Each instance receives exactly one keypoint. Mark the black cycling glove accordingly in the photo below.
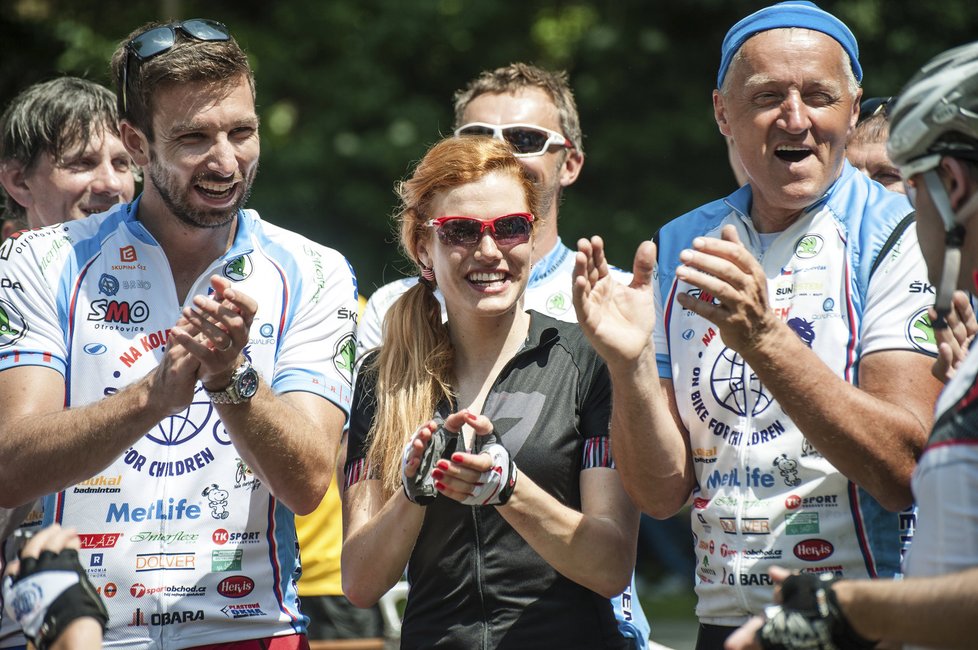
(809, 618)
(420, 488)
(48, 593)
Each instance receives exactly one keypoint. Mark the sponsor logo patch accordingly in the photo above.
(165, 562)
(813, 550)
(235, 586)
(98, 540)
(920, 332)
(809, 246)
(243, 610)
(801, 523)
(13, 327)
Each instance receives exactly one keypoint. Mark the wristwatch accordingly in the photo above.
(243, 386)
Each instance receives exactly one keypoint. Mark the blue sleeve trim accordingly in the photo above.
(665, 367)
(299, 380)
(20, 358)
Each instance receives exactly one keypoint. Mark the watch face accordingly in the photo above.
(247, 383)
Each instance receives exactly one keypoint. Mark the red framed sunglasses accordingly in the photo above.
(506, 230)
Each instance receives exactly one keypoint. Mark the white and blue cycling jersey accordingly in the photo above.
(186, 546)
(765, 495)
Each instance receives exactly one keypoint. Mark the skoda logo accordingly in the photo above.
(238, 269)
(920, 332)
(809, 246)
(13, 327)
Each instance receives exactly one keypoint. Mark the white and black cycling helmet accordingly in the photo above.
(936, 115)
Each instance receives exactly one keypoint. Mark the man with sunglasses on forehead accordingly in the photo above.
(534, 110)
(779, 353)
(137, 367)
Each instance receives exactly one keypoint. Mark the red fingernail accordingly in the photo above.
(457, 458)
(471, 416)
(442, 464)
(439, 485)
(437, 473)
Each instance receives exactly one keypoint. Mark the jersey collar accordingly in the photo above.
(740, 201)
(242, 244)
(548, 263)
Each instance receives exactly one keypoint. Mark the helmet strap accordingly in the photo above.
(953, 239)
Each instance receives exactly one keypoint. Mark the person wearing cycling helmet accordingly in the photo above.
(934, 143)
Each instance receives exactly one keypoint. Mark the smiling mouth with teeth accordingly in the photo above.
(792, 154)
(216, 192)
(486, 278)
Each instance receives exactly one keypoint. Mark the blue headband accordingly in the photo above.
(794, 13)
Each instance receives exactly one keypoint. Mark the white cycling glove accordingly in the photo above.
(497, 483)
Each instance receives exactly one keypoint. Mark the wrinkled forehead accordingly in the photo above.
(790, 53)
(100, 137)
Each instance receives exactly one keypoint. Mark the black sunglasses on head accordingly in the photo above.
(874, 106)
(157, 40)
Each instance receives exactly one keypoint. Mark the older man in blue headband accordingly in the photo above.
(781, 364)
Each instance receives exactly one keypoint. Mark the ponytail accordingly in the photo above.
(415, 366)
(414, 372)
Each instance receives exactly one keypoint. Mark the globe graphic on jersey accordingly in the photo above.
(729, 387)
(183, 426)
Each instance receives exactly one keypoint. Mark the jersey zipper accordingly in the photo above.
(476, 519)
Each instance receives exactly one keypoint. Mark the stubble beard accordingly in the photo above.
(176, 200)
(549, 195)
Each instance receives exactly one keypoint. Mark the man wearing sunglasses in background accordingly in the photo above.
(786, 379)
(198, 420)
(61, 159)
(534, 110)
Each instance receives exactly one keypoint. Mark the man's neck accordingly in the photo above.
(770, 221)
(189, 249)
(545, 237)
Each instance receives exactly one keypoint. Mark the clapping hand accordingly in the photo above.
(617, 318)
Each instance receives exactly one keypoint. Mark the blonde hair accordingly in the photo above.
(517, 76)
(415, 366)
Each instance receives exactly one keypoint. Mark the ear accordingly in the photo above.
(15, 183)
(135, 141)
(720, 113)
(423, 253)
(960, 186)
(854, 116)
(571, 168)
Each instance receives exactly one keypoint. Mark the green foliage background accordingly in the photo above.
(351, 92)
